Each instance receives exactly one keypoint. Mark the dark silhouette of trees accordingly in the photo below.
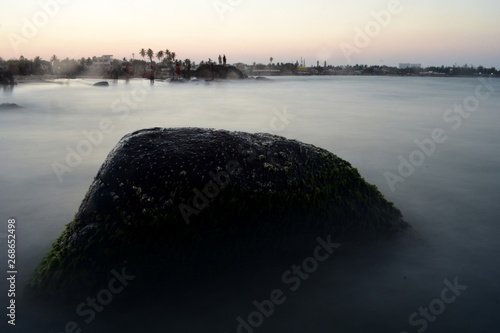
(150, 55)
(37, 65)
(160, 55)
(72, 67)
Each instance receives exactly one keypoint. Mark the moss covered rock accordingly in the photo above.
(170, 201)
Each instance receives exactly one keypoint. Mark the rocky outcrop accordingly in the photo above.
(9, 106)
(169, 201)
(209, 72)
(7, 78)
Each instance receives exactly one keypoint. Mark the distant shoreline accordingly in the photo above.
(48, 77)
(20, 79)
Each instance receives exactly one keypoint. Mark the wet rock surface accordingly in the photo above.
(171, 202)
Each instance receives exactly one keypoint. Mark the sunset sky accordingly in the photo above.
(430, 32)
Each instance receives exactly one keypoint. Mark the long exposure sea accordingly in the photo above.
(431, 146)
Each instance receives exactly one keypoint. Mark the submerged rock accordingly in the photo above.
(263, 78)
(168, 202)
(9, 106)
(101, 84)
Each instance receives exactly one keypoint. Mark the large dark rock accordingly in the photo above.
(208, 71)
(168, 202)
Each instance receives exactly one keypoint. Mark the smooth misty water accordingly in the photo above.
(451, 199)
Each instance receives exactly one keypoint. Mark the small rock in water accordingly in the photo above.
(6, 106)
(101, 84)
(263, 78)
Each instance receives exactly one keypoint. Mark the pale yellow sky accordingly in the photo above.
(339, 32)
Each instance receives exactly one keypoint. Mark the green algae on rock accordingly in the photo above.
(171, 200)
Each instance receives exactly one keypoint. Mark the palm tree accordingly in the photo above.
(37, 63)
(160, 55)
(150, 54)
(142, 53)
(168, 55)
(173, 56)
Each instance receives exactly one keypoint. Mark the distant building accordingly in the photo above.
(102, 63)
(408, 65)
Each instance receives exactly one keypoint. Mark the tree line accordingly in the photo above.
(166, 58)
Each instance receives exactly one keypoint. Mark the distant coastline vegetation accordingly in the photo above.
(163, 63)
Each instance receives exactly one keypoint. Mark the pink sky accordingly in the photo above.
(247, 31)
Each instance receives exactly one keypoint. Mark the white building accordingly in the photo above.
(102, 63)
